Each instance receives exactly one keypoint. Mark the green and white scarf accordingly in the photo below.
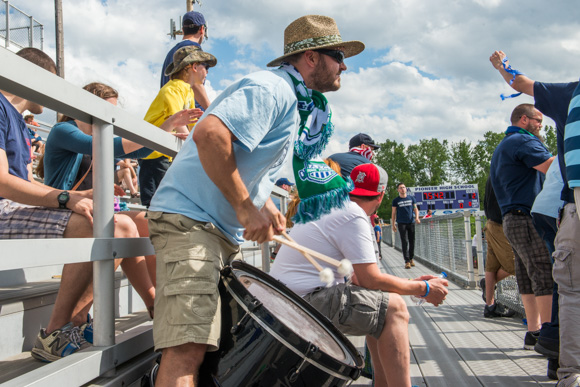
(320, 188)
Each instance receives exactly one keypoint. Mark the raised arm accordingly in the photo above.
(521, 84)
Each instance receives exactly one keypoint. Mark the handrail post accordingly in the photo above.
(467, 224)
(7, 36)
(104, 271)
(480, 265)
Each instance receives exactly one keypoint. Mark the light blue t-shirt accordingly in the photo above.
(548, 200)
(261, 111)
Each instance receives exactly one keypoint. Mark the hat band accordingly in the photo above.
(311, 43)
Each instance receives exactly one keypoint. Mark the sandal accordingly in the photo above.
(135, 195)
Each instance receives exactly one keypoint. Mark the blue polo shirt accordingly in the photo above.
(405, 209)
(515, 181)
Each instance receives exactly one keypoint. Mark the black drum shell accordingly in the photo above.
(254, 356)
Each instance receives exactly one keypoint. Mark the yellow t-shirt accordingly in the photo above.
(173, 97)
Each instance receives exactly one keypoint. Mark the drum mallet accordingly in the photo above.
(344, 267)
(326, 275)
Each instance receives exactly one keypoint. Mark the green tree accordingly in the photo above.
(463, 167)
(550, 137)
(429, 162)
(392, 158)
(482, 153)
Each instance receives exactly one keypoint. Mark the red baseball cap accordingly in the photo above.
(369, 180)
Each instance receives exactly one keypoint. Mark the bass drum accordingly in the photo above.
(272, 337)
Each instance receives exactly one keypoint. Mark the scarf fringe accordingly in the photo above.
(312, 208)
(308, 152)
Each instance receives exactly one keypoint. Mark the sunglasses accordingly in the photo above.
(337, 55)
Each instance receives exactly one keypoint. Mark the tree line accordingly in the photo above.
(432, 162)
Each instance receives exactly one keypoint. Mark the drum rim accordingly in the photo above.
(350, 350)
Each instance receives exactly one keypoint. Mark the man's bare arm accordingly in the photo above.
(521, 84)
(215, 148)
(545, 165)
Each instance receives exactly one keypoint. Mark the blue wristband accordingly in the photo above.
(427, 292)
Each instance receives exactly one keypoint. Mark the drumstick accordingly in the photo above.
(344, 266)
(326, 275)
(306, 255)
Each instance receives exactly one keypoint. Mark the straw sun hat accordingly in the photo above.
(312, 32)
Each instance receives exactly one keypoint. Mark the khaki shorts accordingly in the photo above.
(353, 310)
(190, 255)
(499, 251)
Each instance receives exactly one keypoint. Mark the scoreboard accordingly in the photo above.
(446, 199)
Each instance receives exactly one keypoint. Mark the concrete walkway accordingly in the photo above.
(454, 345)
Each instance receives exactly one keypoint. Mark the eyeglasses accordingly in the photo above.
(206, 65)
(536, 119)
(337, 55)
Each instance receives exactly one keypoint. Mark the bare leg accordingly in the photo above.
(490, 280)
(180, 365)
(143, 228)
(532, 312)
(124, 175)
(544, 304)
(392, 348)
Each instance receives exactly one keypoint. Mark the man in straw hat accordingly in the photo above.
(190, 67)
(346, 233)
(217, 192)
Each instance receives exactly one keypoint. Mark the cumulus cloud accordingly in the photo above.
(424, 74)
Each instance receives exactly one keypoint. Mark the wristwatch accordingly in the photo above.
(63, 198)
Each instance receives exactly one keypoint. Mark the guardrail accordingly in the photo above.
(26, 80)
(444, 243)
(19, 29)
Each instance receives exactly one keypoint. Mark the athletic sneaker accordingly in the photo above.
(412, 263)
(407, 265)
(87, 329)
(58, 344)
(570, 381)
(548, 347)
(531, 339)
(482, 286)
(553, 365)
(496, 310)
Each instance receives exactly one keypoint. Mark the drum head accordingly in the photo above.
(294, 317)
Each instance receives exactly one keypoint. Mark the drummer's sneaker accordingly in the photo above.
(570, 381)
(58, 344)
(87, 329)
(407, 265)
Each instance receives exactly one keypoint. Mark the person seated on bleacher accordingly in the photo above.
(126, 176)
(36, 141)
(372, 305)
(31, 210)
(68, 158)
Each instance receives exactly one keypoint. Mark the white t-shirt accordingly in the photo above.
(344, 233)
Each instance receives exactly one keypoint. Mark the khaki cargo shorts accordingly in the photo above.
(190, 255)
(499, 251)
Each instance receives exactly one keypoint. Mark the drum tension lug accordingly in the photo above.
(236, 328)
(293, 374)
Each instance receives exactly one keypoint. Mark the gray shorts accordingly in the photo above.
(353, 310)
(25, 222)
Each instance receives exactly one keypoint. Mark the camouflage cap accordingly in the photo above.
(188, 55)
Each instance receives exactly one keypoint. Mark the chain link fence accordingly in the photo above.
(445, 243)
(19, 29)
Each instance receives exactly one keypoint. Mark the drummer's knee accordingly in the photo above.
(185, 356)
(397, 309)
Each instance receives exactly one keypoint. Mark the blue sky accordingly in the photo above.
(425, 72)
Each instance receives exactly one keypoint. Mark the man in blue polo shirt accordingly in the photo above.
(405, 213)
(517, 171)
(194, 31)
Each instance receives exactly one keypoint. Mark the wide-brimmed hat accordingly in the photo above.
(188, 55)
(312, 32)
